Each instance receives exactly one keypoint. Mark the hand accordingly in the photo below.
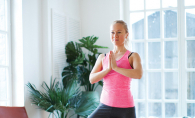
(113, 61)
(109, 62)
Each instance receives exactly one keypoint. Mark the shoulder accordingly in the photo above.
(135, 60)
(101, 55)
(133, 56)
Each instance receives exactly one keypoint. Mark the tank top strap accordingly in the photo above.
(127, 54)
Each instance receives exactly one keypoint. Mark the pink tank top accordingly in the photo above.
(116, 87)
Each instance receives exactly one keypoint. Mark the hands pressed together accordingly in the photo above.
(112, 62)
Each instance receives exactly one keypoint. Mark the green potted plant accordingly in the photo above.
(59, 100)
(81, 64)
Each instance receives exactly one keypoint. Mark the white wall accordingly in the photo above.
(96, 17)
(32, 35)
(37, 43)
(17, 54)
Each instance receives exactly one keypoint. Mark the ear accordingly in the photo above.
(127, 35)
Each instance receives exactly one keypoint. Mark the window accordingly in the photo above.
(5, 44)
(163, 33)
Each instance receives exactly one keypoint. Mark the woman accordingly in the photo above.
(117, 68)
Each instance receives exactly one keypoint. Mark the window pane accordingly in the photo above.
(136, 5)
(191, 85)
(154, 55)
(2, 49)
(191, 110)
(155, 110)
(154, 85)
(170, 23)
(152, 4)
(140, 110)
(138, 88)
(171, 54)
(3, 84)
(153, 24)
(171, 110)
(2, 15)
(190, 54)
(169, 3)
(140, 49)
(137, 25)
(189, 2)
(190, 22)
(171, 85)
(3, 103)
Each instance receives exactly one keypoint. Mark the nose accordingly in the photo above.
(115, 35)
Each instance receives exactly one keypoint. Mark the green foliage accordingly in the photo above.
(73, 52)
(59, 100)
(88, 43)
(80, 64)
(55, 98)
(69, 73)
(61, 97)
(85, 104)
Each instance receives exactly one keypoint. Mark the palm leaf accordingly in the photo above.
(55, 97)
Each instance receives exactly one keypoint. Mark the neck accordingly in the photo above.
(118, 49)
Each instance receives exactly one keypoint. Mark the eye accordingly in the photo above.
(112, 32)
(119, 32)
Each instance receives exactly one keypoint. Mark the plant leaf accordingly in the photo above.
(88, 43)
(83, 75)
(72, 51)
(87, 103)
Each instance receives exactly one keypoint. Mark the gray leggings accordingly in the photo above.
(104, 111)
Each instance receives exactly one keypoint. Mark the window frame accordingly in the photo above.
(184, 41)
(181, 39)
(8, 55)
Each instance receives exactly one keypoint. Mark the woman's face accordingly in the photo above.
(118, 34)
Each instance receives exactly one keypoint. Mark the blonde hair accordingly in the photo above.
(126, 29)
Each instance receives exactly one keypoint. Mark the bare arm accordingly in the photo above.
(135, 73)
(97, 73)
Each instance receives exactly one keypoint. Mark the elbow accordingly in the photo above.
(90, 80)
(140, 75)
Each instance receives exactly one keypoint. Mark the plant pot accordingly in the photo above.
(89, 102)
(92, 94)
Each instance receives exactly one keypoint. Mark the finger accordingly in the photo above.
(112, 56)
(109, 58)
